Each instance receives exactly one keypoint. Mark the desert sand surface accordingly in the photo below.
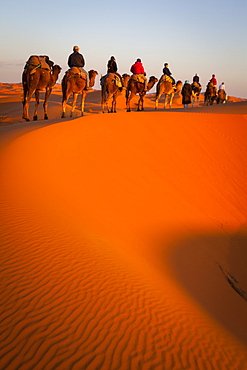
(123, 236)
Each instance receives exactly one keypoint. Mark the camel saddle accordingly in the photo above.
(111, 77)
(138, 78)
(36, 61)
(196, 84)
(164, 78)
(74, 71)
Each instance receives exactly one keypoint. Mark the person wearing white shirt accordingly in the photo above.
(222, 86)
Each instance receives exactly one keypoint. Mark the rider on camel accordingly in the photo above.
(196, 79)
(167, 72)
(112, 68)
(214, 83)
(77, 60)
(138, 69)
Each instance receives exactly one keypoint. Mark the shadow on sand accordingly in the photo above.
(212, 269)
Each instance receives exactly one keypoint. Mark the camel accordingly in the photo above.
(135, 87)
(111, 90)
(166, 87)
(34, 80)
(76, 84)
(196, 90)
(221, 96)
(210, 94)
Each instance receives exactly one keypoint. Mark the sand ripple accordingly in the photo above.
(71, 298)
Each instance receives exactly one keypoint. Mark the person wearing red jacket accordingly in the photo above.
(213, 80)
(138, 69)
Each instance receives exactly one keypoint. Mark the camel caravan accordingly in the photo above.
(40, 73)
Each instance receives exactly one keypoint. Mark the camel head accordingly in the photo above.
(125, 78)
(179, 85)
(92, 75)
(56, 69)
(152, 80)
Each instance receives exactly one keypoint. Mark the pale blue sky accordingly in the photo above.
(201, 37)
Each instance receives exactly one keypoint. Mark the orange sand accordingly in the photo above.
(123, 237)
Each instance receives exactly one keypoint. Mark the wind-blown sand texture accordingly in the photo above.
(123, 237)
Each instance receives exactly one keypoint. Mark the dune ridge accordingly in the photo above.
(110, 228)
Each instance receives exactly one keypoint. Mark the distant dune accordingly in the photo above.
(123, 236)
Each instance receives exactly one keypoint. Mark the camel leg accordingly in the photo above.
(75, 95)
(157, 98)
(66, 95)
(171, 98)
(83, 97)
(114, 102)
(107, 105)
(64, 102)
(140, 103)
(103, 102)
(26, 104)
(113, 110)
(109, 97)
(45, 105)
(102, 106)
(103, 98)
(193, 99)
(165, 102)
(35, 116)
(128, 102)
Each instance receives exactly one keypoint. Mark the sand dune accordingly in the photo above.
(123, 237)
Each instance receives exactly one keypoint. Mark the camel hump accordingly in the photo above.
(114, 77)
(77, 71)
(38, 61)
(111, 77)
(165, 78)
(196, 84)
(138, 78)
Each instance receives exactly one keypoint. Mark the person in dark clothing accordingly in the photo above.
(167, 72)
(112, 66)
(196, 78)
(186, 94)
(77, 60)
